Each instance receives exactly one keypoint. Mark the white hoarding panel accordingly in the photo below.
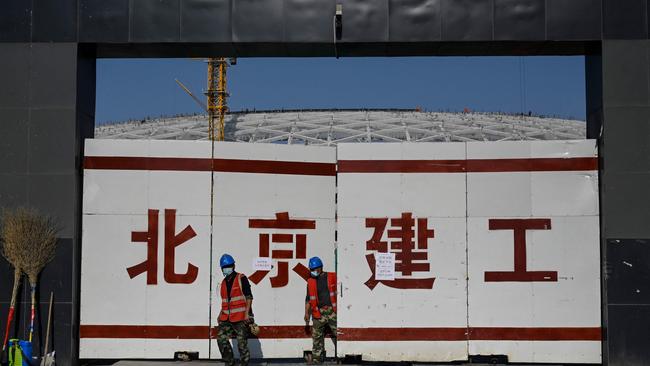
(533, 251)
(148, 259)
(146, 249)
(274, 201)
(408, 199)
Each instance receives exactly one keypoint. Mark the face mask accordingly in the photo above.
(227, 271)
(314, 273)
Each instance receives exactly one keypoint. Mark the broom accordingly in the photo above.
(38, 250)
(10, 224)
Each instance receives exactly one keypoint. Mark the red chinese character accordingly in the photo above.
(521, 273)
(408, 259)
(172, 240)
(282, 221)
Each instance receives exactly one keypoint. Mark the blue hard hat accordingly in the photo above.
(315, 262)
(226, 260)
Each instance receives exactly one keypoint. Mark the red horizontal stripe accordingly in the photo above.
(274, 167)
(183, 332)
(137, 163)
(353, 334)
(344, 166)
(536, 334)
(217, 165)
(402, 166)
(531, 165)
(144, 331)
(473, 333)
(469, 166)
(402, 334)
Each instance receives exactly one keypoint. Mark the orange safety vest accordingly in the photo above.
(312, 290)
(235, 309)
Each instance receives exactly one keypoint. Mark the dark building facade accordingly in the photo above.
(47, 94)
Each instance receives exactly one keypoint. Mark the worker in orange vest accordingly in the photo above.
(236, 312)
(320, 304)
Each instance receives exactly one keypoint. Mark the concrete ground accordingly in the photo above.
(275, 363)
(207, 363)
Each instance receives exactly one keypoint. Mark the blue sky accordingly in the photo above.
(137, 88)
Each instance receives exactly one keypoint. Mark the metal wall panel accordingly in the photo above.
(103, 20)
(636, 154)
(365, 20)
(625, 19)
(257, 21)
(54, 21)
(16, 72)
(52, 133)
(626, 176)
(625, 88)
(555, 287)
(15, 21)
(155, 21)
(414, 20)
(53, 70)
(628, 298)
(627, 330)
(205, 21)
(304, 20)
(467, 20)
(519, 20)
(41, 81)
(14, 146)
(388, 321)
(561, 25)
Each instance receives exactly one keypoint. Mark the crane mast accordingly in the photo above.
(217, 96)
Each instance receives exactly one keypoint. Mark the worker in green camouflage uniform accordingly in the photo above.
(320, 305)
(236, 312)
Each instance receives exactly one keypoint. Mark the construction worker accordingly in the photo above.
(320, 304)
(236, 312)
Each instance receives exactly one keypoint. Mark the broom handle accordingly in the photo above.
(49, 317)
(31, 321)
(9, 319)
(12, 306)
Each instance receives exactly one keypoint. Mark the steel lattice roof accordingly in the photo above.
(329, 127)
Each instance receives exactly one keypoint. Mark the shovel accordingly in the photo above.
(48, 359)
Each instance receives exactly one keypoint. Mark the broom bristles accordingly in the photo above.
(29, 241)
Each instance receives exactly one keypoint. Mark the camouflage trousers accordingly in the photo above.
(226, 331)
(328, 318)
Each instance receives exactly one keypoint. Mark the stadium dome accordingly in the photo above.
(329, 127)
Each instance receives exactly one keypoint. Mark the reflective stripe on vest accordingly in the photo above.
(312, 289)
(235, 309)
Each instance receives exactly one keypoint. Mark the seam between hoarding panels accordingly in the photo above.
(210, 292)
(466, 257)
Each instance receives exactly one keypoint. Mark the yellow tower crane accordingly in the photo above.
(217, 96)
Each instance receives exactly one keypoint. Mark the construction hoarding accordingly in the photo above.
(150, 275)
(445, 250)
(388, 203)
(534, 252)
(496, 251)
